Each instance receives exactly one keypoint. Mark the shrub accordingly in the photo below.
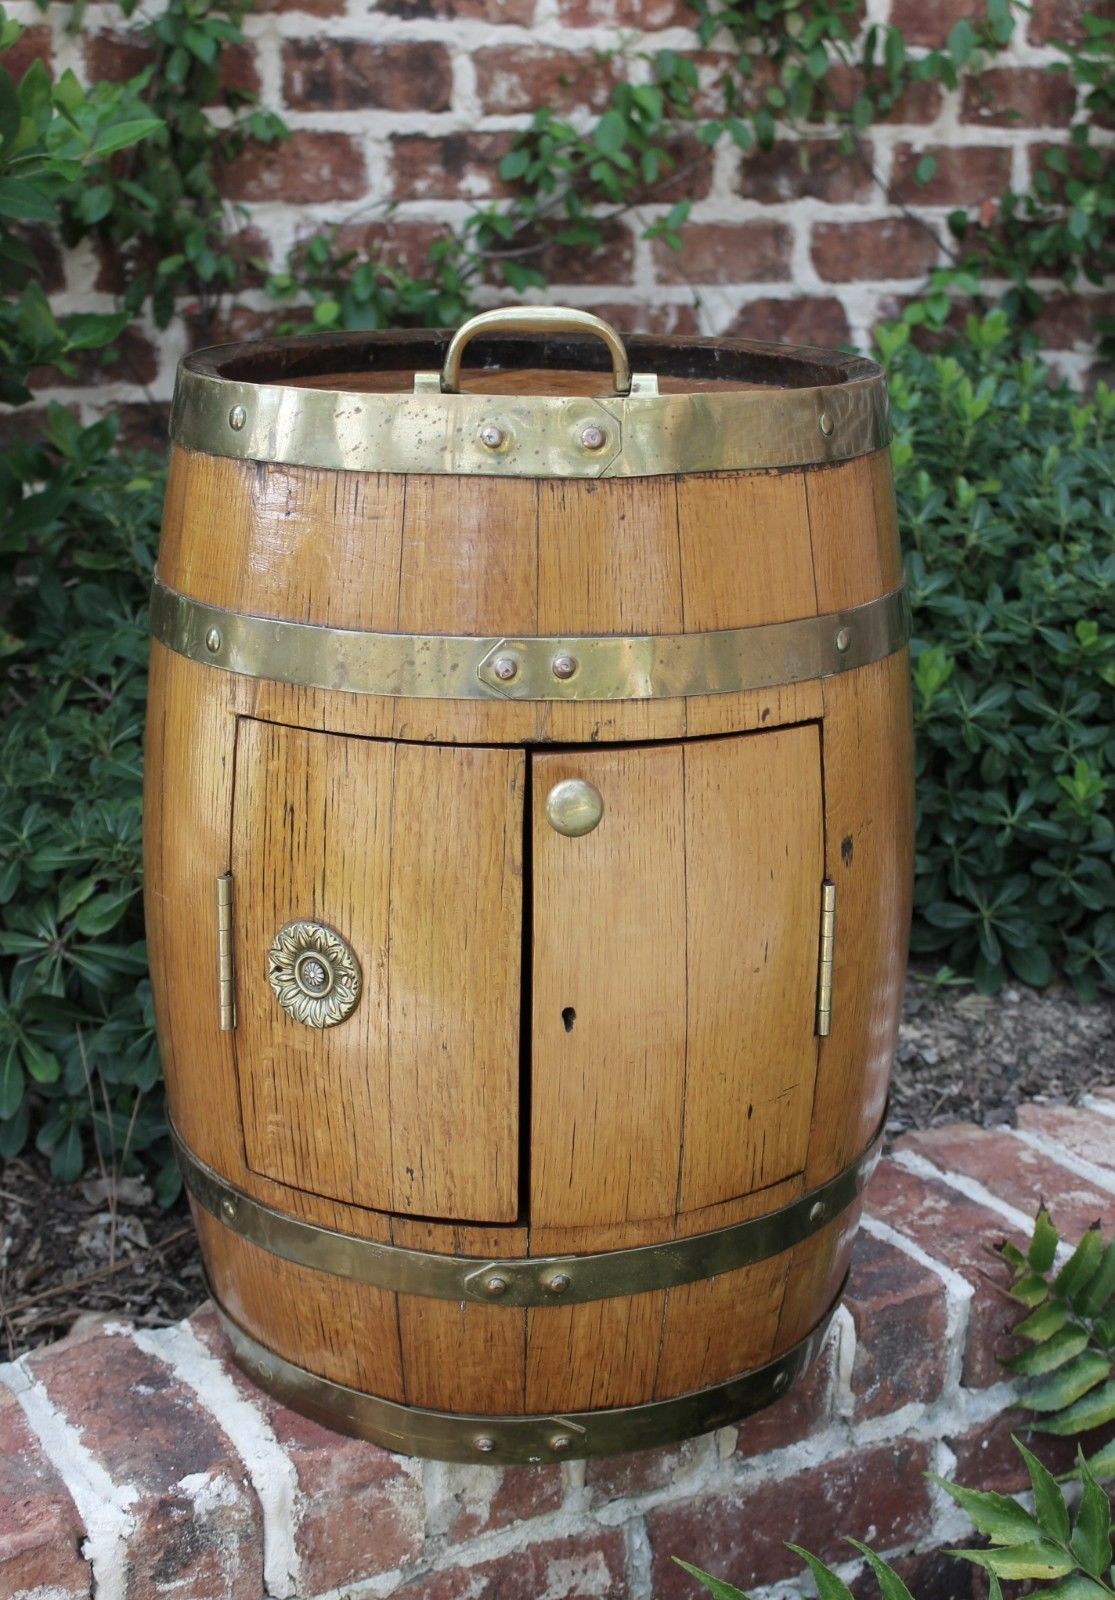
(1006, 490)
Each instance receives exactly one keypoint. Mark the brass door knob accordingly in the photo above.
(574, 807)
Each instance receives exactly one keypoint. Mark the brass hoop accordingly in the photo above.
(525, 1280)
(456, 667)
(500, 1440)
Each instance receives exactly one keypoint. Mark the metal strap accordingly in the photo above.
(449, 1436)
(529, 1280)
(600, 667)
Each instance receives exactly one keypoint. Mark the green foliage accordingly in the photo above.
(56, 140)
(1006, 492)
(1069, 1330)
(78, 1061)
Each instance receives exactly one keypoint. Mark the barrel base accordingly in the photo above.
(578, 1435)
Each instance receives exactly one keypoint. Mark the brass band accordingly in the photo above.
(454, 667)
(530, 1280)
(448, 1436)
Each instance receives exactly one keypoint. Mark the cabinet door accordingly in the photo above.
(674, 976)
(412, 854)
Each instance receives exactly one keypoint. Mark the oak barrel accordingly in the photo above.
(528, 863)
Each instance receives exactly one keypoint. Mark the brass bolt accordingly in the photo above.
(213, 641)
(826, 424)
(229, 1208)
(818, 1211)
(780, 1381)
(484, 1443)
(495, 1286)
(557, 1283)
(593, 437)
(560, 1443)
(237, 418)
(843, 639)
(564, 666)
(505, 668)
(491, 436)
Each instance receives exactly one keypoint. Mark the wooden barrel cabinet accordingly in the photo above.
(528, 856)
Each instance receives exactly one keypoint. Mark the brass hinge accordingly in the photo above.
(826, 957)
(226, 987)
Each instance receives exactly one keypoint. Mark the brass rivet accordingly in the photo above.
(564, 666)
(781, 1379)
(574, 807)
(237, 418)
(491, 436)
(558, 1283)
(593, 437)
(818, 1211)
(484, 1443)
(505, 668)
(229, 1208)
(213, 641)
(826, 424)
(560, 1443)
(843, 639)
(495, 1286)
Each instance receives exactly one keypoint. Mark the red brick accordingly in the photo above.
(40, 1530)
(986, 1457)
(519, 12)
(1031, 97)
(33, 44)
(1015, 1172)
(488, 1498)
(584, 1566)
(801, 321)
(643, 1471)
(511, 79)
(806, 168)
(965, 175)
(726, 252)
(316, 8)
(116, 54)
(395, 243)
(879, 1493)
(920, 23)
(362, 1512)
(900, 1312)
(357, 75)
(1060, 19)
(689, 178)
(919, 102)
(643, 318)
(612, 264)
(893, 247)
(1067, 322)
(48, 256)
(805, 1410)
(146, 1429)
(645, 15)
(960, 1234)
(141, 427)
(229, 323)
(930, 1574)
(1088, 1134)
(449, 165)
(307, 166)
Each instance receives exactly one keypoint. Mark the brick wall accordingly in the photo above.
(414, 101)
(137, 1464)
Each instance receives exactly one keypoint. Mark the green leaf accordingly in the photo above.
(1042, 1323)
(890, 1584)
(67, 1158)
(1051, 1354)
(1102, 1464)
(9, 108)
(11, 1083)
(1081, 1266)
(1095, 1295)
(1002, 1519)
(1076, 1587)
(92, 330)
(1091, 1536)
(25, 202)
(1067, 1385)
(611, 133)
(715, 1586)
(829, 1586)
(123, 134)
(1049, 1503)
(1038, 1560)
(1094, 1410)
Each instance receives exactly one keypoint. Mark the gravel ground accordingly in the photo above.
(97, 1248)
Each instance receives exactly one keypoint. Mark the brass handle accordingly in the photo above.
(535, 319)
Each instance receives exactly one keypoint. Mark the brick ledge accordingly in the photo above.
(138, 1463)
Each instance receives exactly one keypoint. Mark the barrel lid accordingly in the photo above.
(529, 392)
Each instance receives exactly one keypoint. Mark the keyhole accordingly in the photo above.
(569, 1017)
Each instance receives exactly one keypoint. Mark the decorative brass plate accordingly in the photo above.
(457, 667)
(447, 1436)
(314, 974)
(526, 1280)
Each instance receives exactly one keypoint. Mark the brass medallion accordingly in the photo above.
(314, 974)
